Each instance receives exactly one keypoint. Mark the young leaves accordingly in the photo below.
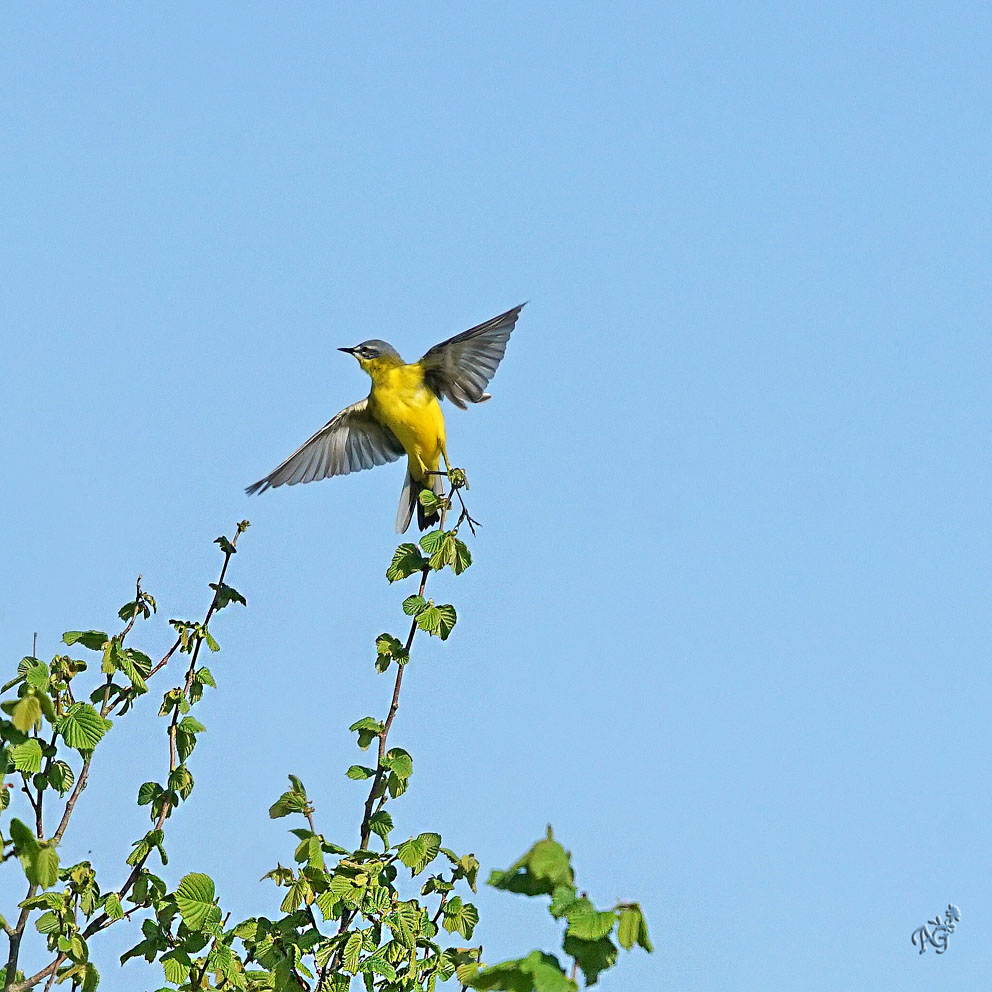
(225, 595)
(435, 620)
(460, 917)
(92, 639)
(82, 727)
(389, 648)
(368, 729)
(195, 899)
(540, 871)
(294, 800)
(39, 859)
(418, 852)
(632, 928)
(407, 561)
(538, 972)
(26, 757)
(25, 714)
(444, 549)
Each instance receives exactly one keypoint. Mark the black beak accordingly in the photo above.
(347, 351)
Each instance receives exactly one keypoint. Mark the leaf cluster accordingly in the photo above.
(393, 912)
(54, 726)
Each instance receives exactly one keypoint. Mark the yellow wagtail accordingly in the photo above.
(402, 414)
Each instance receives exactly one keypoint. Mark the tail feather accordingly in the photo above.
(410, 501)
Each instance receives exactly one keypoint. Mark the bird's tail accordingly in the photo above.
(410, 501)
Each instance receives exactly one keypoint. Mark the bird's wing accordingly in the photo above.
(461, 367)
(349, 442)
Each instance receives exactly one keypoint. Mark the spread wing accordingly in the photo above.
(461, 367)
(349, 442)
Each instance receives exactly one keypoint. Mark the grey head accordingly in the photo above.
(371, 349)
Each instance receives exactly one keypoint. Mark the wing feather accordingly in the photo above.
(461, 367)
(349, 442)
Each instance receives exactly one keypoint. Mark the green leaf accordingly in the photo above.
(352, 952)
(359, 772)
(418, 852)
(112, 906)
(430, 501)
(411, 852)
(61, 777)
(38, 676)
(399, 761)
(413, 605)
(429, 618)
(181, 781)
(378, 965)
(389, 648)
(26, 757)
(43, 868)
(381, 823)
(27, 713)
(460, 917)
(433, 541)
(643, 940)
(186, 731)
(24, 840)
(368, 729)
(195, 899)
(82, 727)
(543, 869)
(630, 925)
(438, 621)
(447, 621)
(131, 664)
(563, 897)
(294, 800)
(92, 639)
(593, 956)
(226, 595)
(328, 904)
(446, 549)
(407, 560)
(47, 923)
(148, 793)
(225, 545)
(462, 559)
(587, 923)
(176, 964)
(538, 972)
(91, 977)
(299, 892)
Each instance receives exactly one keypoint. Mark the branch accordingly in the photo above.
(15, 942)
(371, 807)
(103, 921)
(100, 922)
(380, 772)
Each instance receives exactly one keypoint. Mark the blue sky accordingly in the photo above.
(728, 627)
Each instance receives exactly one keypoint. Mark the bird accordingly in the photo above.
(402, 415)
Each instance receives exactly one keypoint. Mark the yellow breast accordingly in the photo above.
(400, 400)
